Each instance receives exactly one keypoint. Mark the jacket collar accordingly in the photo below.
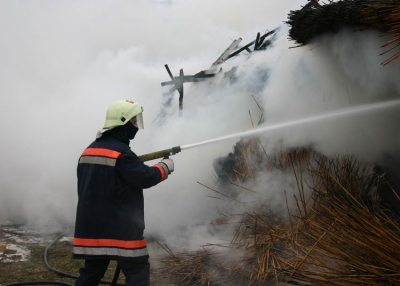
(116, 133)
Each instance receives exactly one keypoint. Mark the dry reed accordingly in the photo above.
(385, 15)
(340, 234)
(382, 15)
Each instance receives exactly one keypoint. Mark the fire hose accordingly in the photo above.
(61, 273)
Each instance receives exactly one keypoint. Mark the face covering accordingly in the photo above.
(130, 130)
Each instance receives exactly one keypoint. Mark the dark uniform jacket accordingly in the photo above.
(110, 213)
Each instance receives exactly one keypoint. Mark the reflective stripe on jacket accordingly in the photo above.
(110, 212)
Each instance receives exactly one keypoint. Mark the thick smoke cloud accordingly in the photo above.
(335, 72)
(64, 62)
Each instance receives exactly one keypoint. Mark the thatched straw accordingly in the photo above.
(383, 15)
(347, 238)
(339, 235)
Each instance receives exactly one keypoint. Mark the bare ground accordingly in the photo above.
(60, 258)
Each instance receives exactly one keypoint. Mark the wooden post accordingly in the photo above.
(257, 44)
(179, 87)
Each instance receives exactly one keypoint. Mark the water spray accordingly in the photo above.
(316, 118)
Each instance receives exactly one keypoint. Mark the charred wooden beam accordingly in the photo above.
(188, 78)
(169, 72)
(259, 41)
(225, 55)
(180, 89)
(178, 82)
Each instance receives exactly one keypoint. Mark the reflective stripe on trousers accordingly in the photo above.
(110, 251)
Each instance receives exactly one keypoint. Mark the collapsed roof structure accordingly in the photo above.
(262, 42)
(343, 232)
(306, 24)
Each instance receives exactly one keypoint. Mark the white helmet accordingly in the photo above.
(121, 111)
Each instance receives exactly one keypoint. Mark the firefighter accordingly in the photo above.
(110, 213)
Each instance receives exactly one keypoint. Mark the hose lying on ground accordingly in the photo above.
(61, 273)
(64, 274)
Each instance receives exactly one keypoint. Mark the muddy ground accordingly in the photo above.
(23, 261)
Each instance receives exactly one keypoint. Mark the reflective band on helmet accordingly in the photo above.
(100, 251)
(101, 152)
(130, 110)
(109, 242)
(98, 161)
(112, 118)
(162, 171)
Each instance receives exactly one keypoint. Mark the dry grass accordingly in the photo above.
(339, 233)
(60, 257)
(34, 269)
(385, 15)
(249, 158)
(382, 15)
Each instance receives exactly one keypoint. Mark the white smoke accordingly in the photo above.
(64, 62)
(335, 72)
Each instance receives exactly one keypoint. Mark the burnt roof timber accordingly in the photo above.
(259, 40)
(179, 87)
(225, 55)
(169, 72)
(187, 78)
(178, 82)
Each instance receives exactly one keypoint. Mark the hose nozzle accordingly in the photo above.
(160, 154)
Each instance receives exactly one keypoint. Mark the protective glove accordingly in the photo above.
(168, 163)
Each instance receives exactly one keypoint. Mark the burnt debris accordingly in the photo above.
(177, 82)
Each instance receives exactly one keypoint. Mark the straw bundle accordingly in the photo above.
(346, 236)
(249, 159)
(383, 15)
(307, 24)
(349, 237)
(339, 235)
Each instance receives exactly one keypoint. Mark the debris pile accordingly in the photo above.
(262, 42)
(340, 230)
(249, 158)
(383, 15)
(339, 234)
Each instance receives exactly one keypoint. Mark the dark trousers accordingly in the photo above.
(136, 273)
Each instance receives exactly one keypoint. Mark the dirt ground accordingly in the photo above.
(33, 269)
(13, 270)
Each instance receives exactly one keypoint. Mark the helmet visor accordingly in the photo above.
(139, 121)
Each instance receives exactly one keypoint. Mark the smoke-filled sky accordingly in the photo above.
(63, 62)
